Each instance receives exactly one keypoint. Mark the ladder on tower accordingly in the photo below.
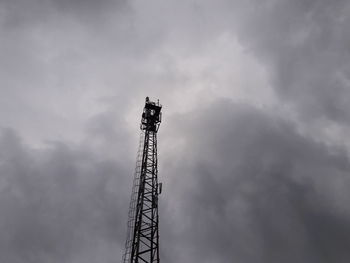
(133, 201)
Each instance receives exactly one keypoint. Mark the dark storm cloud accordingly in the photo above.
(306, 45)
(240, 184)
(250, 188)
(34, 9)
(90, 5)
(59, 204)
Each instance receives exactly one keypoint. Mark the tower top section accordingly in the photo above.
(151, 116)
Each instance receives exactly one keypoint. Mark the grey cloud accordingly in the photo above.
(246, 187)
(306, 45)
(32, 10)
(89, 4)
(239, 183)
(249, 188)
(60, 204)
(302, 45)
(54, 57)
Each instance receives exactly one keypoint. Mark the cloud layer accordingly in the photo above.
(253, 145)
(59, 204)
(251, 189)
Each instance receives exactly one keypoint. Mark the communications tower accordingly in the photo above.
(142, 242)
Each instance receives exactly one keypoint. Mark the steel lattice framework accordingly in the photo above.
(142, 243)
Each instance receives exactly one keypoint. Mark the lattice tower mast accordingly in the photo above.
(142, 243)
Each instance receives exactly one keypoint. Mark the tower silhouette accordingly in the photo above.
(142, 242)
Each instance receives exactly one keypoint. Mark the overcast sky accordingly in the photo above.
(253, 147)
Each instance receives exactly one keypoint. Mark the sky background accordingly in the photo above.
(254, 146)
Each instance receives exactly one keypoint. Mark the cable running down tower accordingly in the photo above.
(142, 243)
